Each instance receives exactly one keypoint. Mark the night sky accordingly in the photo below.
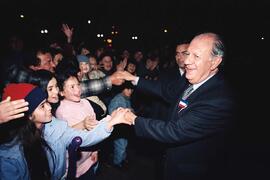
(235, 20)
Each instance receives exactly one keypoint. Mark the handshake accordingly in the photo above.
(118, 116)
(119, 77)
(121, 116)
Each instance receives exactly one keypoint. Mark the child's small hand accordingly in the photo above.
(90, 122)
(118, 117)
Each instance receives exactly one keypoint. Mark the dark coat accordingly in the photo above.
(195, 133)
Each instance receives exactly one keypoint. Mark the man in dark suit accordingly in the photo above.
(180, 56)
(171, 76)
(197, 125)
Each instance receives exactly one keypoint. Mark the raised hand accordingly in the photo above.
(127, 76)
(117, 78)
(12, 109)
(68, 32)
(122, 65)
(124, 62)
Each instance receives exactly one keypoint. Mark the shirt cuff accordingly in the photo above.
(109, 131)
(133, 123)
(105, 121)
(135, 82)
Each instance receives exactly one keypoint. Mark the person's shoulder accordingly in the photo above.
(11, 150)
(84, 101)
(102, 74)
(216, 89)
(222, 83)
(64, 104)
(55, 128)
(56, 122)
(118, 97)
(60, 108)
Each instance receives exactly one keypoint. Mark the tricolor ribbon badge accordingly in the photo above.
(182, 105)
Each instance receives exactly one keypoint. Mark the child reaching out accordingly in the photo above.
(34, 146)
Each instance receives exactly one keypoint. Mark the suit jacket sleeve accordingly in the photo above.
(201, 119)
(169, 90)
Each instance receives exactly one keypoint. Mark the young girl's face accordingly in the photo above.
(53, 91)
(42, 114)
(72, 89)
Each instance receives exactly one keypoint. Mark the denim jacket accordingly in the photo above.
(58, 135)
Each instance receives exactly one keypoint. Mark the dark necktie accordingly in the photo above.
(187, 92)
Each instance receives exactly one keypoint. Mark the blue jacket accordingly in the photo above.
(119, 101)
(58, 135)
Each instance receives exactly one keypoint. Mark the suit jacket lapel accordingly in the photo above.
(200, 91)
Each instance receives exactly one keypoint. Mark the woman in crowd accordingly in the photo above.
(79, 114)
(34, 146)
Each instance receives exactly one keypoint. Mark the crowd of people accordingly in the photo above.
(54, 93)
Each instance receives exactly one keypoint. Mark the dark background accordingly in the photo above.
(241, 23)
